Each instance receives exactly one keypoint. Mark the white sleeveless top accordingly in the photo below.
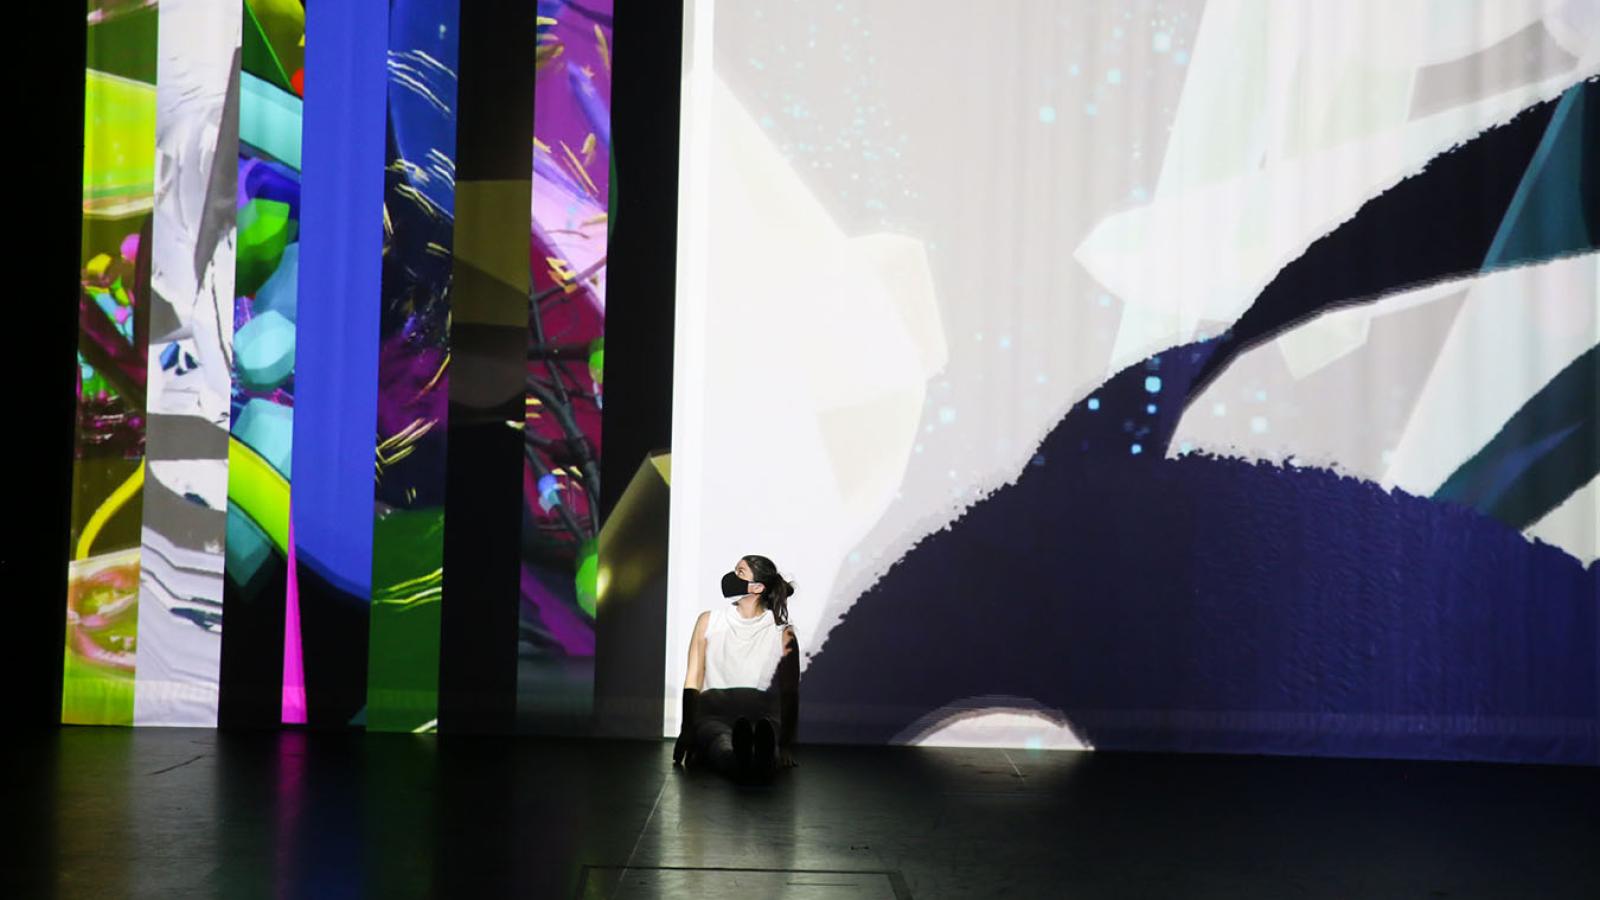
(740, 652)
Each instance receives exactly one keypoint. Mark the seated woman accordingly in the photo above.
(741, 694)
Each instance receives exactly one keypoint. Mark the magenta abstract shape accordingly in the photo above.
(294, 669)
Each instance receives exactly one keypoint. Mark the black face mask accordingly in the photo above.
(734, 586)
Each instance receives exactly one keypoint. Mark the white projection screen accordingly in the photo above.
(917, 236)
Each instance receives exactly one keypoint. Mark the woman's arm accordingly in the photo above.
(693, 678)
(694, 675)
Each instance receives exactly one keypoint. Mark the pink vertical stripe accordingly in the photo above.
(294, 669)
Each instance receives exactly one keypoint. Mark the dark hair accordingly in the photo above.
(778, 589)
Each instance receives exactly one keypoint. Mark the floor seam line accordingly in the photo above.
(642, 829)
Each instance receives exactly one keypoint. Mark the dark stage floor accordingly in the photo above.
(178, 813)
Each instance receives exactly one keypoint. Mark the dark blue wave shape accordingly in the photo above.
(1214, 605)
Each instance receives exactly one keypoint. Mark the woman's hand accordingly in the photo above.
(786, 759)
(683, 750)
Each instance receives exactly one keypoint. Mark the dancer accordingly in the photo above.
(741, 697)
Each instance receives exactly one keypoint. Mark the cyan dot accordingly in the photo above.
(1136, 450)
(1150, 408)
(1047, 114)
(1161, 42)
(1258, 424)
(1261, 396)
(1094, 403)
(1181, 57)
(1152, 384)
(1114, 76)
(947, 415)
(1089, 109)
(1219, 409)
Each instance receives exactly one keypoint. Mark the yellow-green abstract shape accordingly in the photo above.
(119, 145)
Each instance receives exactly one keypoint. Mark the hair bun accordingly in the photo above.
(790, 586)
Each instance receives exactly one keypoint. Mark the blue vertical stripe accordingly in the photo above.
(341, 239)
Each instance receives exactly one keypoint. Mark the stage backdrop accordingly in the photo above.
(1214, 376)
(305, 338)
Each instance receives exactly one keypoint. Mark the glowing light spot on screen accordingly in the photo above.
(1258, 424)
(1152, 384)
(1094, 403)
(1261, 396)
(1219, 409)
(1089, 109)
(1005, 343)
(1150, 408)
(1047, 114)
(1114, 76)
(1136, 450)
(947, 415)
(1161, 42)
(1074, 70)
(1181, 57)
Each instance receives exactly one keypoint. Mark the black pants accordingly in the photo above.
(719, 713)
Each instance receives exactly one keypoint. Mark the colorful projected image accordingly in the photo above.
(260, 455)
(566, 358)
(108, 466)
(184, 495)
(192, 599)
(413, 366)
(1222, 378)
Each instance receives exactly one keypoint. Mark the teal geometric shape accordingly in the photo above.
(268, 429)
(269, 120)
(264, 351)
(281, 291)
(1546, 218)
(247, 547)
